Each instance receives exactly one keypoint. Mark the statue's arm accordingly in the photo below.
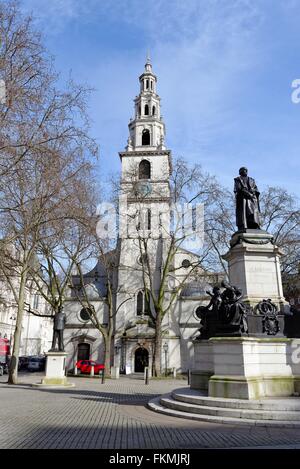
(237, 186)
(239, 189)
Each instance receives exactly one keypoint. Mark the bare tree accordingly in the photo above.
(281, 217)
(45, 153)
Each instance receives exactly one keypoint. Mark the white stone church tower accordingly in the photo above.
(144, 214)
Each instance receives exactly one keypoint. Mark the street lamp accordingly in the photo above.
(166, 348)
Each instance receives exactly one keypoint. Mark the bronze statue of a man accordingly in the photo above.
(247, 201)
(58, 331)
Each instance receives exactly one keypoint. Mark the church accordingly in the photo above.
(144, 214)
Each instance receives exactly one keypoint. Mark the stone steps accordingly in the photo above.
(135, 376)
(228, 412)
(191, 396)
(277, 413)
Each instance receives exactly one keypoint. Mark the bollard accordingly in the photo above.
(174, 372)
(146, 375)
(103, 377)
(75, 370)
(92, 372)
(189, 376)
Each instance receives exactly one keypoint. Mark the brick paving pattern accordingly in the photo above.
(114, 416)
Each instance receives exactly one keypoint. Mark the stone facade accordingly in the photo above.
(145, 200)
(36, 333)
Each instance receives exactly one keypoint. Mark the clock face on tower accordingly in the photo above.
(144, 188)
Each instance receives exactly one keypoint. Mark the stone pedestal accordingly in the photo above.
(294, 361)
(254, 267)
(251, 368)
(115, 372)
(203, 367)
(55, 371)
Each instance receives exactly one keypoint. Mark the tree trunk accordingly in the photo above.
(156, 365)
(13, 367)
(107, 353)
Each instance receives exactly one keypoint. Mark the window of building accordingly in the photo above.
(140, 303)
(85, 314)
(36, 301)
(146, 137)
(148, 219)
(144, 222)
(186, 263)
(153, 111)
(147, 84)
(144, 170)
(143, 303)
(146, 110)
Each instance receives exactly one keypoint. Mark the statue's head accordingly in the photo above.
(243, 171)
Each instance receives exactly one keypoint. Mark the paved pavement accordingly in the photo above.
(114, 416)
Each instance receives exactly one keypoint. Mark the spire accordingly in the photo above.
(148, 65)
(147, 130)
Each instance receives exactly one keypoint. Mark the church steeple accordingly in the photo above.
(147, 130)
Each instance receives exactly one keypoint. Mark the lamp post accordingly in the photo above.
(166, 348)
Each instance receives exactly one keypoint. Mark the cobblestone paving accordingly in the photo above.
(113, 415)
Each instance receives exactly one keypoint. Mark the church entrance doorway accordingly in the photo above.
(83, 351)
(141, 360)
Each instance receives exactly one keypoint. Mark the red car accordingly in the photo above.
(85, 366)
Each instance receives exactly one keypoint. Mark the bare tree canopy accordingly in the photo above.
(46, 158)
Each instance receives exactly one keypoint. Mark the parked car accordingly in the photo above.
(85, 366)
(23, 363)
(3, 368)
(36, 363)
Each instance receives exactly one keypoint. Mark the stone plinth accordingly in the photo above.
(254, 267)
(55, 371)
(251, 368)
(115, 372)
(203, 367)
(294, 361)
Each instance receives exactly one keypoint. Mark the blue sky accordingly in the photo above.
(224, 68)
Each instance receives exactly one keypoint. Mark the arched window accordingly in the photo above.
(144, 170)
(146, 137)
(153, 111)
(143, 303)
(146, 110)
(139, 303)
(148, 219)
(151, 84)
(147, 84)
(139, 110)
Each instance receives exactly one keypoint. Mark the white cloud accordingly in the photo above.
(207, 55)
